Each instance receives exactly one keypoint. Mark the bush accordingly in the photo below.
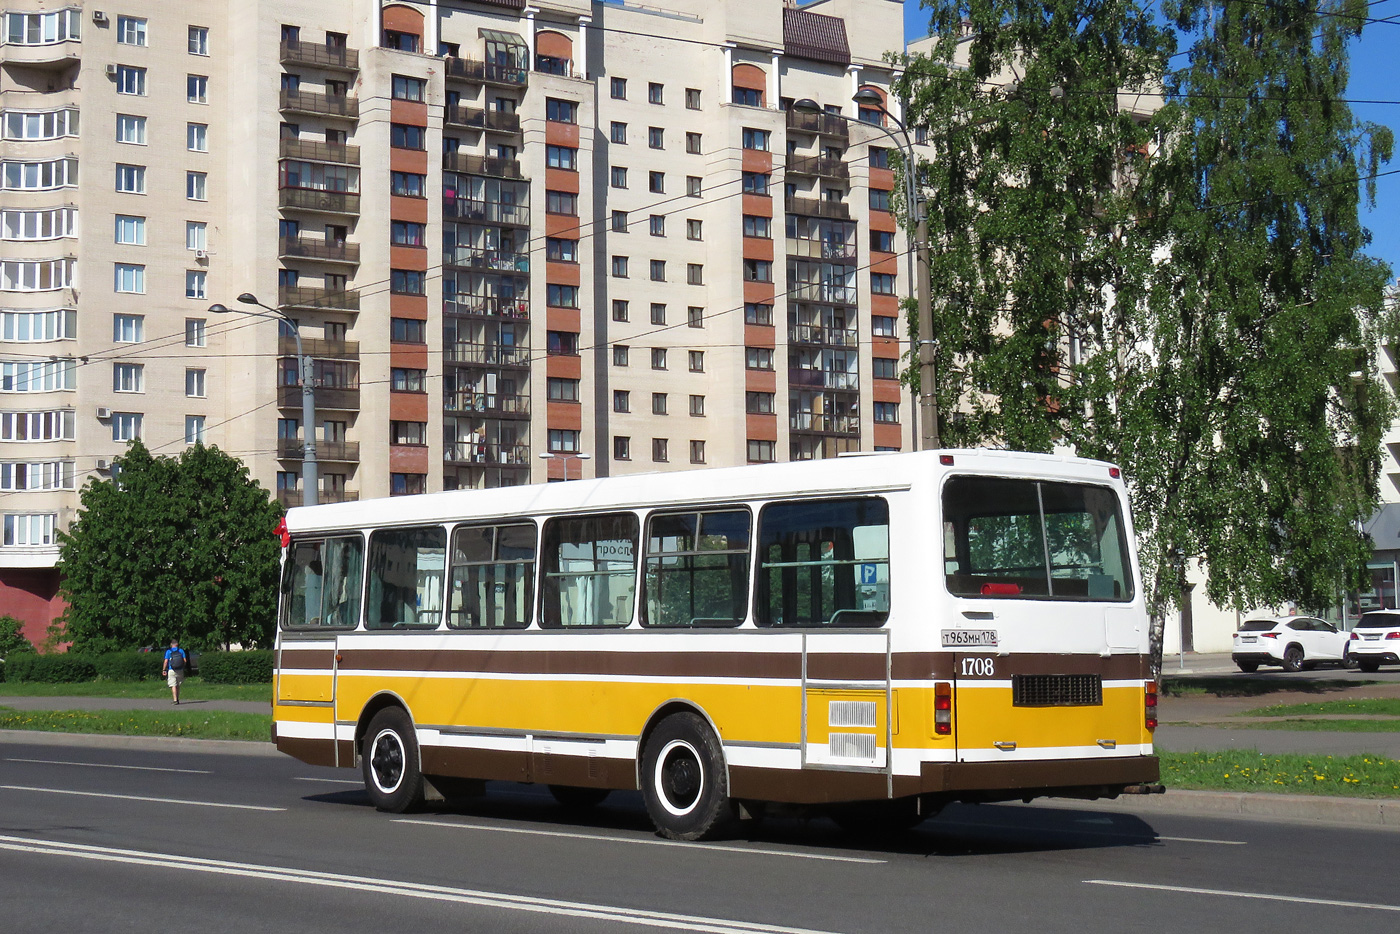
(12, 640)
(250, 667)
(51, 669)
(128, 666)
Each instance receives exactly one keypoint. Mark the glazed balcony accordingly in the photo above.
(319, 347)
(472, 453)
(312, 151)
(487, 212)
(832, 125)
(290, 498)
(495, 355)
(344, 452)
(817, 207)
(823, 293)
(822, 379)
(816, 335)
(320, 250)
(474, 118)
(487, 306)
(821, 249)
(321, 202)
(295, 296)
(818, 166)
(490, 260)
(320, 105)
(824, 424)
(320, 55)
(467, 69)
(485, 403)
(327, 398)
(481, 165)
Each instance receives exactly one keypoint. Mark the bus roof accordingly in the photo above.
(716, 484)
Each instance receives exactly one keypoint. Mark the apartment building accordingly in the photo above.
(598, 231)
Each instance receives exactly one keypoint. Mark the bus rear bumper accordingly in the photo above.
(1006, 781)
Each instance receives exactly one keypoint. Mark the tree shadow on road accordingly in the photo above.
(1257, 685)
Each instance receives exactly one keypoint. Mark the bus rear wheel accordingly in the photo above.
(684, 783)
(390, 763)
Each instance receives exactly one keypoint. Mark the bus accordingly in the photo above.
(874, 636)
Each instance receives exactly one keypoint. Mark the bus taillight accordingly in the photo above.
(1149, 700)
(943, 708)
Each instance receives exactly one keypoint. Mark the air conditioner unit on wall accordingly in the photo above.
(103, 464)
(103, 412)
(98, 16)
(201, 255)
(111, 71)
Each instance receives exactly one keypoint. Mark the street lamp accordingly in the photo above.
(309, 480)
(546, 455)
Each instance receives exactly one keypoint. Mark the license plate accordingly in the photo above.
(1370, 638)
(1249, 638)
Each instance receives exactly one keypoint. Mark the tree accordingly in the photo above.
(171, 547)
(1178, 289)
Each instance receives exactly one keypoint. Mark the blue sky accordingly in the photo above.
(1375, 75)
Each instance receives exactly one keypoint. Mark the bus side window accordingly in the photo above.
(493, 577)
(824, 563)
(697, 569)
(321, 584)
(405, 578)
(589, 566)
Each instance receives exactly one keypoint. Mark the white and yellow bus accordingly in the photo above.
(878, 635)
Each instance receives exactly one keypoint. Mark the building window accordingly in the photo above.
(407, 484)
(560, 250)
(131, 230)
(563, 440)
(882, 283)
(128, 377)
(879, 158)
(195, 332)
(887, 412)
(655, 93)
(407, 282)
(656, 182)
(758, 270)
(194, 383)
(408, 184)
(756, 139)
(194, 429)
(131, 129)
(562, 343)
(879, 199)
(658, 450)
(695, 273)
(619, 309)
(406, 233)
(561, 157)
(882, 325)
(407, 136)
(618, 178)
(697, 406)
(697, 361)
(197, 137)
(758, 358)
(403, 379)
(131, 80)
(658, 225)
(658, 403)
(694, 186)
(622, 448)
(561, 202)
(405, 88)
(758, 226)
(199, 40)
(407, 331)
(694, 229)
(131, 179)
(619, 89)
(761, 452)
(620, 353)
(695, 317)
(658, 358)
(759, 403)
(619, 133)
(619, 267)
(749, 97)
(131, 30)
(128, 329)
(619, 221)
(658, 313)
(197, 89)
(697, 452)
(562, 390)
(658, 270)
(196, 186)
(622, 400)
(195, 281)
(881, 241)
(884, 368)
(758, 314)
(130, 278)
(692, 98)
(408, 432)
(656, 137)
(561, 296)
(692, 143)
(756, 183)
(559, 111)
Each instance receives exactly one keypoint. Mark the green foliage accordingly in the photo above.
(1178, 289)
(177, 547)
(251, 667)
(128, 666)
(52, 669)
(12, 640)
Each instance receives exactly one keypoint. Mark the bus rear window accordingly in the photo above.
(1034, 538)
(321, 584)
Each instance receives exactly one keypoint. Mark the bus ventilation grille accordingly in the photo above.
(1056, 690)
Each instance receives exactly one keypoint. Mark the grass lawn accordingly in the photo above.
(213, 724)
(1372, 706)
(194, 687)
(1240, 770)
(1322, 726)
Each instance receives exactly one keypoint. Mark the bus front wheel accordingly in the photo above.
(684, 783)
(390, 763)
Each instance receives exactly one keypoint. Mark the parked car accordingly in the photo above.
(1295, 642)
(1376, 640)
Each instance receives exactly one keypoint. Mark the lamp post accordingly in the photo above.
(549, 456)
(918, 272)
(309, 479)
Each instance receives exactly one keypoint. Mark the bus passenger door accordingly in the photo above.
(846, 700)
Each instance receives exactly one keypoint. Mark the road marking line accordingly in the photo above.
(99, 794)
(594, 838)
(934, 825)
(104, 765)
(338, 781)
(1330, 902)
(1202, 840)
(362, 884)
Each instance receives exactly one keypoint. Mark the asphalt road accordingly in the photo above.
(117, 838)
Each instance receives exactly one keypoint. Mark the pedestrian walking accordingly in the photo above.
(173, 667)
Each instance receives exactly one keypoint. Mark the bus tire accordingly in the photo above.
(574, 798)
(684, 782)
(393, 777)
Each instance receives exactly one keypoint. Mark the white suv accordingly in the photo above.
(1295, 642)
(1376, 640)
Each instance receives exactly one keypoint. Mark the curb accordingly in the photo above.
(238, 747)
(1298, 809)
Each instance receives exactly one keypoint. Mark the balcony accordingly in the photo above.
(326, 252)
(474, 118)
(823, 293)
(487, 355)
(327, 397)
(487, 306)
(813, 334)
(488, 212)
(467, 69)
(490, 260)
(338, 451)
(329, 57)
(323, 202)
(320, 105)
(821, 249)
(312, 151)
(816, 207)
(485, 403)
(290, 498)
(481, 165)
(822, 379)
(294, 296)
(824, 424)
(485, 454)
(43, 56)
(318, 347)
(833, 125)
(819, 166)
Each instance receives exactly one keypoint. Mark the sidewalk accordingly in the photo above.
(131, 703)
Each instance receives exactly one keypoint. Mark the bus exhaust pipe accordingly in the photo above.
(1144, 789)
